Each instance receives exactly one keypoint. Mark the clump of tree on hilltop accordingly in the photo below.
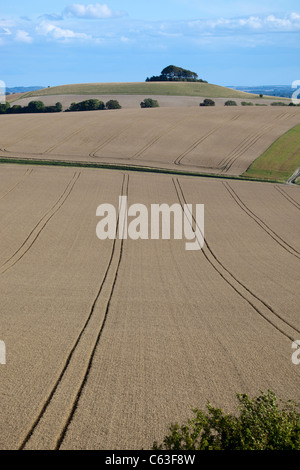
(172, 73)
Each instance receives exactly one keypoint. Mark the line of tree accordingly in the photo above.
(172, 73)
(93, 105)
(32, 107)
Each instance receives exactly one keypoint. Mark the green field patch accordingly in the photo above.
(280, 160)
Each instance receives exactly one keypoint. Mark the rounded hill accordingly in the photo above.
(141, 88)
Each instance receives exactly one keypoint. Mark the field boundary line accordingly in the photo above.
(128, 167)
(59, 203)
(179, 190)
(260, 222)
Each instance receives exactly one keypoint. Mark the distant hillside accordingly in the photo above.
(23, 89)
(285, 91)
(141, 88)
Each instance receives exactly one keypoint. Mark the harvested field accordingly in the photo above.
(213, 140)
(110, 341)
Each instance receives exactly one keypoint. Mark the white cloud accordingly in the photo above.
(270, 23)
(23, 36)
(295, 16)
(91, 11)
(253, 22)
(48, 29)
(5, 31)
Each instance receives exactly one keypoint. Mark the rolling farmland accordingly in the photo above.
(223, 141)
(110, 341)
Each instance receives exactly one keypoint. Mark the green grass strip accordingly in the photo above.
(108, 166)
(280, 160)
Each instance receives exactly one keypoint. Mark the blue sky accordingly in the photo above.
(228, 42)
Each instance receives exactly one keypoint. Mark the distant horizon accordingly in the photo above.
(141, 81)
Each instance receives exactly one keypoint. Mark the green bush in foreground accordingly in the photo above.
(261, 425)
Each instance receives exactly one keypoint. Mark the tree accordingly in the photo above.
(87, 105)
(230, 103)
(4, 108)
(149, 103)
(174, 73)
(36, 107)
(113, 104)
(208, 102)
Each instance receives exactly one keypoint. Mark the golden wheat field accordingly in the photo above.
(214, 140)
(110, 341)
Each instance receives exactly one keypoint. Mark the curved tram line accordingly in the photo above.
(26, 174)
(288, 197)
(263, 309)
(117, 251)
(38, 228)
(199, 141)
(260, 222)
(226, 163)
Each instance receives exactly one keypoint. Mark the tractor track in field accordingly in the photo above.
(62, 141)
(259, 305)
(226, 163)
(110, 139)
(260, 222)
(136, 155)
(39, 227)
(26, 174)
(179, 159)
(116, 253)
(288, 197)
